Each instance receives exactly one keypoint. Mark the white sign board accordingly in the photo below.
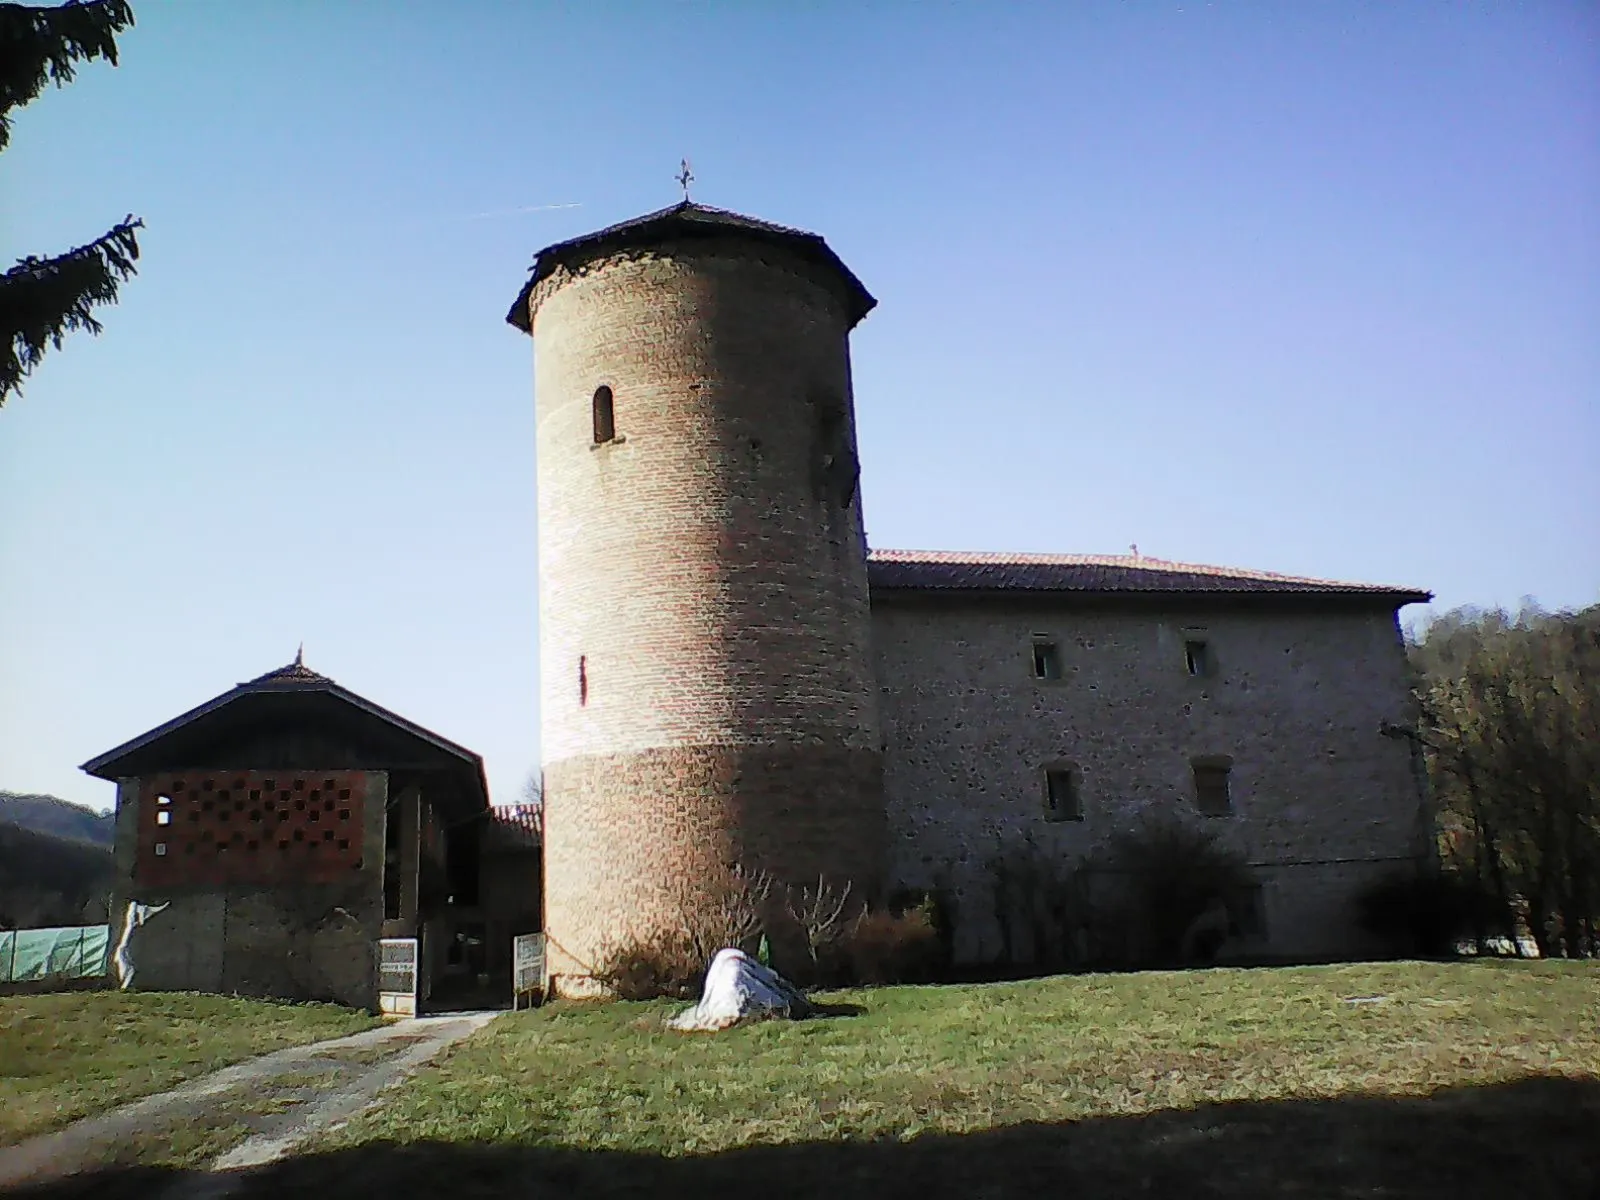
(527, 966)
(397, 976)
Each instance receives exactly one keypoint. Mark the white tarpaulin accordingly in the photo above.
(738, 988)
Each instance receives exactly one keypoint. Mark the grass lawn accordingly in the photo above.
(1439, 1079)
(66, 1055)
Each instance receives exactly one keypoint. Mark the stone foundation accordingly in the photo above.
(632, 838)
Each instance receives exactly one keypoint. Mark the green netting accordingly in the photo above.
(66, 953)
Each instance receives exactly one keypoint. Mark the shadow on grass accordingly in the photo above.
(821, 1009)
(1536, 1137)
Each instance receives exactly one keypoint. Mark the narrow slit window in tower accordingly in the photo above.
(1062, 799)
(583, 679)
(605, 416)
(1213, 797)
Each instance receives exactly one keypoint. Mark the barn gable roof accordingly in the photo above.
(290, 695)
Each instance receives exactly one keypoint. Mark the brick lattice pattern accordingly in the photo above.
(249, 827)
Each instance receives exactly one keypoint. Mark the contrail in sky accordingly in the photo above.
(512, 212)
(466, 218)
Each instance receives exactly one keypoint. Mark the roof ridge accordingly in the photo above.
(986, 561)
(300, 678)
(295, 672)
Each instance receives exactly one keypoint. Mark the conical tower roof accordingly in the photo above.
(688, 221)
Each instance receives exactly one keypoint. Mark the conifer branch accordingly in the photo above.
(42, 299)
(44, 45)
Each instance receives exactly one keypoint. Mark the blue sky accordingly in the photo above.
(1302, 287)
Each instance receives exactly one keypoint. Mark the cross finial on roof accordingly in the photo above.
(684, 177)
(1134, 549)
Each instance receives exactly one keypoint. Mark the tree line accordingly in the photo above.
(1509, 729)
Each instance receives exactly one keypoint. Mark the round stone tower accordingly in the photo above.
(707, 688)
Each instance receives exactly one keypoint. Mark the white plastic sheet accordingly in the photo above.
(740, 989)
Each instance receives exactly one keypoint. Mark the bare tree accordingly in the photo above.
(673, 961)
(1511, 729)
(532, 789)
(728, 913)
(819, 912)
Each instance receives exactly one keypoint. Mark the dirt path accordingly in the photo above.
(244, 1115)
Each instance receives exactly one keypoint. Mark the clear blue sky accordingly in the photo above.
(1303, 287)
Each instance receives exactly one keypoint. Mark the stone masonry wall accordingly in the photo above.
(294, 939)
(1320, 802)
(702, 577)
(795, 812)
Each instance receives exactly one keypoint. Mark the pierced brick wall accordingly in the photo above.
(1320, 802)
(290, 922)
(217, 827)
(703, 587)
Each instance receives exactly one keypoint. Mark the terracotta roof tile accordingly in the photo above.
(513, 827)
(952, 570)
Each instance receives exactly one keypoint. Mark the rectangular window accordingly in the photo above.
(1247, 916)
(1197, 657)
(1062, 801)
(1211, 795)
(1046, 660)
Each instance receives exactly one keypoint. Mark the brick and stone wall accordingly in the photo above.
(706, 675)
(266, 915)
(1321, 803)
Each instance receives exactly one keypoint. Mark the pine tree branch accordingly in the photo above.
(44, 45)
(43, 299)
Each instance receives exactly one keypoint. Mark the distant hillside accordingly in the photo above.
(62, 818)
(49, 880)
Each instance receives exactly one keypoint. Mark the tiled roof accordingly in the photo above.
(295, 673)
(689, 212)
(513, 827)
(300, 680)
(681, 222)
(950, 570)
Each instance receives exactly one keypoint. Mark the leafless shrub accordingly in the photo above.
(731, 912)
(673, 961)
(1042, 905)
(819, 914)
(665, 964)
(886, 947)
(1164, 875)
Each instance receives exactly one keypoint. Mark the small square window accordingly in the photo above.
(1211, 792)
(163, 818)
(1062, 800)
(1046, 660)
(1197, 657)
(161, 849)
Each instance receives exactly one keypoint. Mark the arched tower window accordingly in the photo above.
(605, 417)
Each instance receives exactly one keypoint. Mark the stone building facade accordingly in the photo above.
(1065, 697)
(722, 687)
